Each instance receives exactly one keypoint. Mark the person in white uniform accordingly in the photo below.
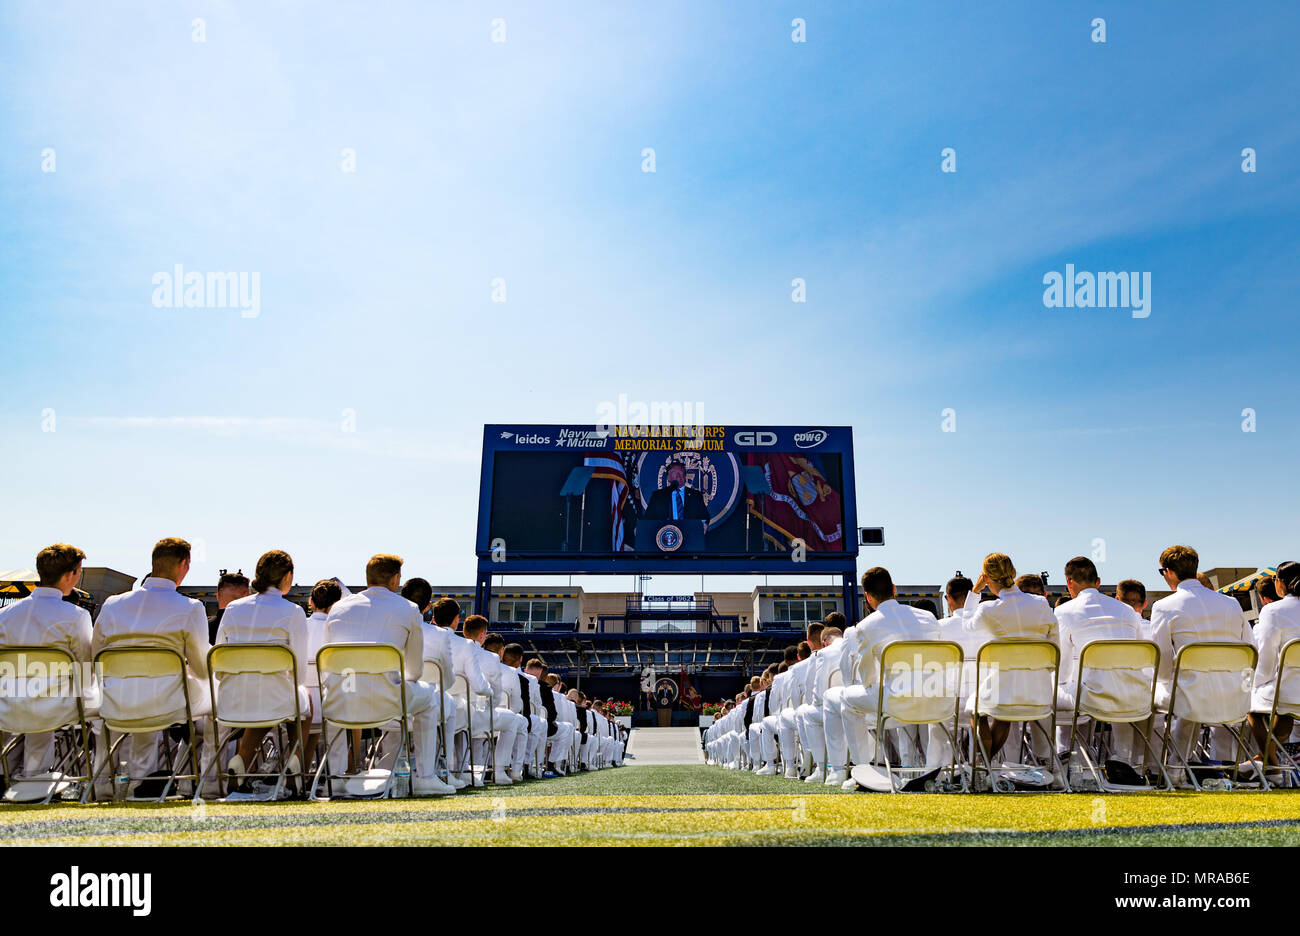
(510, 702)
(1088, 616)
(828, 662)
(1278, 624)
(437, 650)
(380, 615)
(559, 733)
(505, 723)
(1011, 615)
(324, 595)
(265, 616)
(889, 621)
(1192, 614)
(156, 615)
(534, 712)
(44, 619)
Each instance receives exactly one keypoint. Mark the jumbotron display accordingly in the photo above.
(775, 493)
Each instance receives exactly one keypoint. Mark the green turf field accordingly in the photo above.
(675, 805)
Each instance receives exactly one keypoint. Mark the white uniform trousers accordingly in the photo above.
(812, 734)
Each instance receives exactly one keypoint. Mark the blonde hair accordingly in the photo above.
(999, 570)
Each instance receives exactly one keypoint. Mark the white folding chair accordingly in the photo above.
(1286, 701)
(45, 695)
(1021, 677)
(1211, 686)
(434, 676)
(362, 685)
(1124, 694)
(128, 674)
(258, 685)
(918, 682)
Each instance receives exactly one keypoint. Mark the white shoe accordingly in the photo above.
(501, 779)
(431, 786)
(792, 773)
(457, 781)
(849, 786)
(817, 776)
(836, 777)
(235, 767)
(767, 770)
(516, 776)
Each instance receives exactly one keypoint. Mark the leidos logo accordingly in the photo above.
(810, 439)
(755, 438)
(532, 440)
(75, 889)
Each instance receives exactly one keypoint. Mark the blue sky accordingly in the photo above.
(522, 160)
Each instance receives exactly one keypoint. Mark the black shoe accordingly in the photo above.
(1121, 773)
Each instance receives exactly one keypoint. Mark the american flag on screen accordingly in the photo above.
(612, 468)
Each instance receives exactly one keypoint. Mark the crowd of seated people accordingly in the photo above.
(1195, 696)
(125, 726)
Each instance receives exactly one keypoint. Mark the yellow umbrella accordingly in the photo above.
(1241, 586)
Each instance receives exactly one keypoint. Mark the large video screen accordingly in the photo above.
(575, 491)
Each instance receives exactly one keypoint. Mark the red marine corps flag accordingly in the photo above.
(690, 698)
(803, 504)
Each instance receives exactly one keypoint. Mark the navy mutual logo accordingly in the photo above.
(811, 438)
(668, 538)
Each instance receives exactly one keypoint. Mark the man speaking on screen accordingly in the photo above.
(676, 501)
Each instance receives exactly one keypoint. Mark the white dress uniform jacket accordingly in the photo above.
(1094, 616)
(154, 615)
(1278, 624)
(44, 619)
(1013, 615)
(1194, 614)
(263, 618)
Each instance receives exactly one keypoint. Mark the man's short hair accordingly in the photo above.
(1133, 593)
(1268, 590)
(925, 604)
(382, 567)
(324, 593)
(878, 583)
(782, 666)
(418, 592)
(791, 653)
(1180, 560)
(1082, 571)
(814, 629)
(493, 642)
(552, 679)
(835, 619)
(1032, 584)
(958, 588)
(535, 663)
(831, 632)
(54, 562)
(804, 649)
(445, 612)
(168, 554)
(474, 625)
(512, 654)
(232, 580)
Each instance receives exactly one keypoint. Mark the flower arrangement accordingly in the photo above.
(622, 708)
(713, 708)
